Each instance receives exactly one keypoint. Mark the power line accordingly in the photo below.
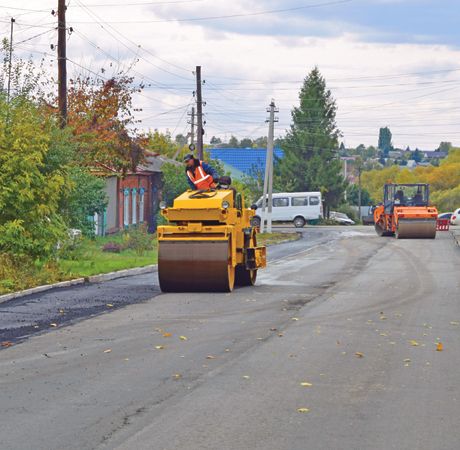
(232, 16)
(101, 23)
(143, 3)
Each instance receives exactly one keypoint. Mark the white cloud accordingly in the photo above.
(418, 114)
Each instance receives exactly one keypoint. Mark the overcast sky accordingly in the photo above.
(389, 63)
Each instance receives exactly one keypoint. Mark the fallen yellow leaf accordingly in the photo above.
(210, 357)
(108, 350)
(246, 377)
(305, 384)
(303, 410)
(183, 338)
(414, 343)
(359, 354)
(177, 376)
(439, 347)
(109, 305)
(53, 324)
(455, 323)
(7, 344)
(166, 335)
(159, 347)
(295, 318)
(407, 360)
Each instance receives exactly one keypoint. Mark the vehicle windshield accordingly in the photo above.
(408, 195)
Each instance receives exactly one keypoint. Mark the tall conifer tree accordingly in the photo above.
(311, 161)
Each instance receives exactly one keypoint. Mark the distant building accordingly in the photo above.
(395, 154)
(244, 161)
(437, 154)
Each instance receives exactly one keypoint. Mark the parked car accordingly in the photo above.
(341, 218)
(455, 219)
(446, 215)
(298, 207)
(369, 219)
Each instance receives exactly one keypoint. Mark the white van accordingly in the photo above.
(298, 207)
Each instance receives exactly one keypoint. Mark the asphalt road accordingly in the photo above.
(356, 317)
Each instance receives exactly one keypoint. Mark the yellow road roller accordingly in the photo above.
(209, 244)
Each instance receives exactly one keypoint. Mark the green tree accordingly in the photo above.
(310, 161)
(445, 147)
(233, 142)
(246, 143)
(417, 156)
(215, 141)
(30, 222)
(385, 144)
(353, 195)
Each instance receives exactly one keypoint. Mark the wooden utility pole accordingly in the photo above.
(192, 126)
(360, 169)
(62, 63)
(268, 180)
(10, 62)
(199, 110)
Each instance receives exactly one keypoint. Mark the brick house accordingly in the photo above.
(133, 199)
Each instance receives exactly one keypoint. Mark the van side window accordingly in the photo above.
(314, 201)
(299, 201)
(284, 201)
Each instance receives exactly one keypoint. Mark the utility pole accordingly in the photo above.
(360, 168)
(192, 126)
(268, 180)
(10, 62)
(199, 110)
(62, 63)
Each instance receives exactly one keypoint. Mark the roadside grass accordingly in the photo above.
(90, 259)
(276, 238)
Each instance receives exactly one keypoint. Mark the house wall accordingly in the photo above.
(111, 185)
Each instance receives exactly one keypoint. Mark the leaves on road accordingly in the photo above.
(210, 357)
(246, 377)
(439, 347)
(159, 347)
(305, 384)
(183, 338)
(54, 325)
(109, 350)
(109, 305)
(6, 344)
(177, 376)
(167, 335)
(359, 354)
(303, 410)
(414, 343)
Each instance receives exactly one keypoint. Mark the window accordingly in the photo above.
(141, 205)
(280, 202)
(314, 201)
(126, 207)
(299, 201)
(134, 206)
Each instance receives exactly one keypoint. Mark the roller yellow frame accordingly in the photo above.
(210, 243)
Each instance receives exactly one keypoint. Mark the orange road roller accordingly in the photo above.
(406, 212)
(210, 243)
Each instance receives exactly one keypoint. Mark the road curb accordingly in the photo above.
(92, 279)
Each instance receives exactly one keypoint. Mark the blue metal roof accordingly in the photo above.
(250, 161)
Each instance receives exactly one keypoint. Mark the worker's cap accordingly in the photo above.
(188, 157)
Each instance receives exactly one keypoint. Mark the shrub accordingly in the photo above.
(138, 239)
(112, 247)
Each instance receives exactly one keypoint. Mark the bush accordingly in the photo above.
(138, 239)
(112, 247)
